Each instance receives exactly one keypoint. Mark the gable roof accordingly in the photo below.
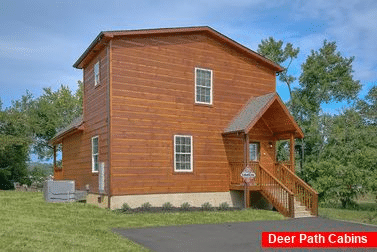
(255, 109)
(105, 36)
(76, 124)
(249, 113)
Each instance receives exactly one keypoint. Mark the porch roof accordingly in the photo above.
(75, 125)
(272, 111)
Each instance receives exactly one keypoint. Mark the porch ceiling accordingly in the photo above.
(267, 112)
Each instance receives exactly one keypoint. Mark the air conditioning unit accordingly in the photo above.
(59, 190)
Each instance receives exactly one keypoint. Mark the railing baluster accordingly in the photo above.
(303, 192)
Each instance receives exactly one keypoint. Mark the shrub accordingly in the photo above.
(207, 206)
(146, 206)
(167, 206)
(185, 206)
(224, 206)
(125, 207)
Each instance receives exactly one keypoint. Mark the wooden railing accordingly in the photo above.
(237, 167)
(276, 192)
(302, 191)
(271, 188)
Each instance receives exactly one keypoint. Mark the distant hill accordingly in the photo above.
(48, 167)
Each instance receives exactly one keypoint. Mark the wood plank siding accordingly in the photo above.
(77, 152)
(154, 138)
(153, 99)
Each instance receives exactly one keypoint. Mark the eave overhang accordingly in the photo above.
(77, 125)
(105, 36)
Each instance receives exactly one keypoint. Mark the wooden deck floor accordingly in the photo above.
(241, 187)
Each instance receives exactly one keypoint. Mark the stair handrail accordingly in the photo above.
(314, 193)
(276, 179)
(308, 187)
(290, 210)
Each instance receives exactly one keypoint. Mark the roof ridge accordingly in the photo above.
(105, 36)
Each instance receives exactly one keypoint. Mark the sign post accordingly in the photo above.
(247, 174)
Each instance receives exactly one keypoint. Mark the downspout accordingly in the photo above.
(109, 117)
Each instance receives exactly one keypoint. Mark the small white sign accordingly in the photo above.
(247, 173)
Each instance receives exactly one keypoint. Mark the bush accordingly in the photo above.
(167, 206)
(207, 206)
(224, 206)
(125, 207)
(146, 206)
(185, 206)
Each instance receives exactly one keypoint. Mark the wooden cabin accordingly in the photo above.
(175, 115)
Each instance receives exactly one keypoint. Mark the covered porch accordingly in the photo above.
(57, 144)
(251, 139)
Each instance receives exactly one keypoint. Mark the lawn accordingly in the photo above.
(364, 212)
(27, 223)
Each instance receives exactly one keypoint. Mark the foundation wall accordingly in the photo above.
(97, 200)
(233, 198)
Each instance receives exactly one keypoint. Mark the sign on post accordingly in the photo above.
(247, 174)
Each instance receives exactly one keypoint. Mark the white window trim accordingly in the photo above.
(97, 154)
(97, 64)
(211, 93)
(191, 157)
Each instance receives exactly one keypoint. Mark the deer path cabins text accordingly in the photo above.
(175, 115)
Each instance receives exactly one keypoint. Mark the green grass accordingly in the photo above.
(27, 223)
(364, 212)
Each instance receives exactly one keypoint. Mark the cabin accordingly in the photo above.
(176, 115)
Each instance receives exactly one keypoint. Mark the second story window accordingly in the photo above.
(203, 86)
(96, 74)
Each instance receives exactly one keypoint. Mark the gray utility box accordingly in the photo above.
(59, 190)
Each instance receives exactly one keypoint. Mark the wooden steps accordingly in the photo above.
(289, 194)
(301, 211)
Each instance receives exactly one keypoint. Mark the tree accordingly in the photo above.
(14, 142)
(274, 51)
(326, 77)
(28, 125)
(346, 167)
(51, 112)
(340, 152)
(368, 107)
(39, 172)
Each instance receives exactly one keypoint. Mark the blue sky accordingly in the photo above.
(41, 39)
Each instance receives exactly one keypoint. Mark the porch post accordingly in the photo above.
(246, 161)
(54, 156)
(246, 149)
(292, 152)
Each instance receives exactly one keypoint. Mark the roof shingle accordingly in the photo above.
(249, 113)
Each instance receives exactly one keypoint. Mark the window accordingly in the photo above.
(95, 154)
(203, 86)
(182, 153)
(96, 73)
(254, 151)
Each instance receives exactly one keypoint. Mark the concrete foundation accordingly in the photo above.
(97, 200)
(233, 198)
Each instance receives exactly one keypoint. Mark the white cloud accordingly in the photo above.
(352, 24)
